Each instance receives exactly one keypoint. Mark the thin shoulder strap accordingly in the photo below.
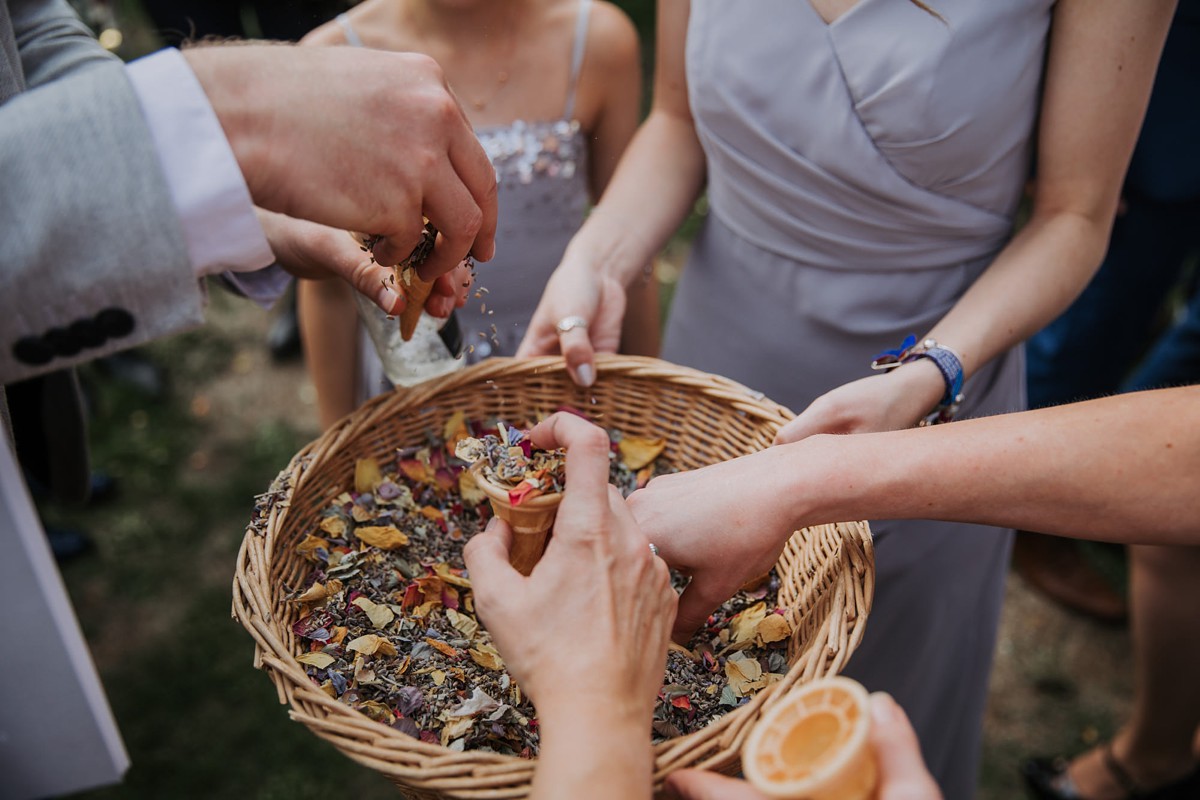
(581, 27)
(348, 30)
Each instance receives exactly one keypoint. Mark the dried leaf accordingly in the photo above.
(334, 525)
(744, 626)
(745, 674)
(318, 659)
(442, 647)
(380, 615)
(487, 657)
(385, 537)
(479, 703)
(469, 489)
(367, 475)
(464, 624)
(371, 644)
(451, 575)
(309, 547)
(637, 452)
(773, 628)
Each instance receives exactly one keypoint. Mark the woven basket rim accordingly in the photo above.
(497, 775)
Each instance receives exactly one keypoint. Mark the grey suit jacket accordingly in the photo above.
(92, 259)
(92, 255)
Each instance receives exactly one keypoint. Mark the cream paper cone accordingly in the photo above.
(530, 521)
(814, 744)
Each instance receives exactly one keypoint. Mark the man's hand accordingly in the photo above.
(355, 139)
(308, 250)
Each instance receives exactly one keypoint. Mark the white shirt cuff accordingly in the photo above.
(205, 182)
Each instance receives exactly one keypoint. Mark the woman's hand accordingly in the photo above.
(585, 634)
(902, 772)
(890, 401)
(308, 250)
(576, 289)
(724, 525)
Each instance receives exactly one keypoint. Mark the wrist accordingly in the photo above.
(229, 77)
(605, 247)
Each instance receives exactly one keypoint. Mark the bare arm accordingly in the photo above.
(658, 179)
(1120, 469)
(1102, 59)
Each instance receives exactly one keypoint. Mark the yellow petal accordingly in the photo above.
(371, 644)
(773, 628)
(308, 547)
(380, 615)
(367, 475)
(487, 657)
(385, 537)
(318, 659)
(744, 625)
(637, 452)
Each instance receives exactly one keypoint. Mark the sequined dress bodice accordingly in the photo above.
(541, 168)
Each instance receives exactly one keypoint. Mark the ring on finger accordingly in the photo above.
(570, 323)
(653, 549)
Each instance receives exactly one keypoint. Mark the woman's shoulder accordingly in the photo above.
(612, 37)
(363, 17)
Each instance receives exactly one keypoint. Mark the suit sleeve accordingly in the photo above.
(93, 258)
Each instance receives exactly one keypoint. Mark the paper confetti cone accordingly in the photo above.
(416, 292)
(530, 521)
(814, 744)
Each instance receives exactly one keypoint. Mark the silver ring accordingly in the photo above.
(571, 323)
(653, 549)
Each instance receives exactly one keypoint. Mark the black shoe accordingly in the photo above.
(68, 544)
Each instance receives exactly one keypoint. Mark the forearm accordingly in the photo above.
(654, 188)
(1121, 469)
(1041, 271)
(594, 754)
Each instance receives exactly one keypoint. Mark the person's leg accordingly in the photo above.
(1155, 746)
(329, 329)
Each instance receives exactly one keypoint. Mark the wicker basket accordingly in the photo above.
(827, 571)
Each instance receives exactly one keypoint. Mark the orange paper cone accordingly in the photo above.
(814, 744)
(530, 521)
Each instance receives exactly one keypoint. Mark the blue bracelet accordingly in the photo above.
(948, 363)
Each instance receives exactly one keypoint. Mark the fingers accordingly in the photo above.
(795, 430)
(541, 338)
(576, 347)
(698, 784)
(587, 457)
(376, 282)
(698, 601)
(902, 772)
(479, 176)
(486, 556)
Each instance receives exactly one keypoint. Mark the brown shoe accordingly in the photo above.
(1057, 568)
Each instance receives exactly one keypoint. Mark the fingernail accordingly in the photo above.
(388, 298)
(587, 375)
(491, 526)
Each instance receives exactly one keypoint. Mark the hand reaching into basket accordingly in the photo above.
(585, 635)
(902, 771)
(317, 252)
(580, 314)
(724, 525)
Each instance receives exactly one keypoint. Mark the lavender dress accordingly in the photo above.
(861, 175)
(542, 171)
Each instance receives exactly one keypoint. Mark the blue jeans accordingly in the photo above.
(1106, 340)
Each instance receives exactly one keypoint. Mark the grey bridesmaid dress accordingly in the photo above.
(861, 175)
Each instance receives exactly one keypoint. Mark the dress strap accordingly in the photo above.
(581, 27)
(348, 30)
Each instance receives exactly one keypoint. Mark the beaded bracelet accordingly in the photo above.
(948, 362)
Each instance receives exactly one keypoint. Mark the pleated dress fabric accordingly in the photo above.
(861, 175)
